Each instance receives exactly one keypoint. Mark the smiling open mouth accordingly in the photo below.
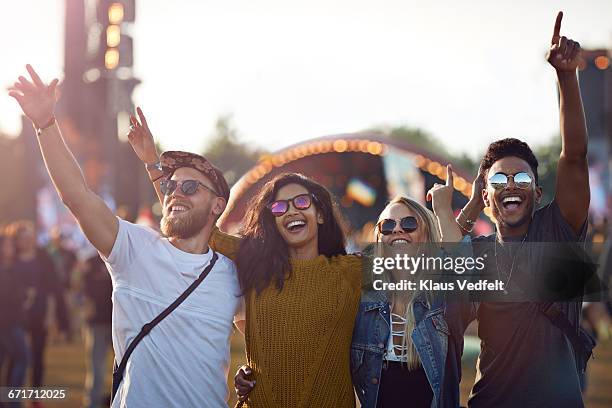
(512, 202)
(296, 225)
(177, 209)
(400, 241)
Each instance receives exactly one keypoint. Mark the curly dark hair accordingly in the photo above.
(505, 148)
(263, 256)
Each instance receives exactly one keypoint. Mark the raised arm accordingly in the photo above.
(141, 140)
(441, 197)
(97, 221)
(572, 188)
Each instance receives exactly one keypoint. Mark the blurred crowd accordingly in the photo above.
(48, 294)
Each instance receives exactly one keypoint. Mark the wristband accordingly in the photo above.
(47, 125)
(469, 231)
(467, 220)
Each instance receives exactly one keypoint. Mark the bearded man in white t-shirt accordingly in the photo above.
(183, 361)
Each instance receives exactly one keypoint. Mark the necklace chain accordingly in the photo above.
(512, 264)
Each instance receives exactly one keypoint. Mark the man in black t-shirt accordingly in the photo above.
(525, 360)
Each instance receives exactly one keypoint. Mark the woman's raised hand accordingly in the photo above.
(441, 195)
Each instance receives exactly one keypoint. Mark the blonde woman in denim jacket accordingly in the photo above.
(406, 347)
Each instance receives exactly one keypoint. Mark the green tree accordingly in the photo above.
(425, 140)
(548, 157)
(225, 150)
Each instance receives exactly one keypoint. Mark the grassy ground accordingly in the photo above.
(66, 368)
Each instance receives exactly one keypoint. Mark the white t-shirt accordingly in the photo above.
(183, 361)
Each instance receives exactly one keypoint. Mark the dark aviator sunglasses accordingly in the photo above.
(407, 224)
(188, 187)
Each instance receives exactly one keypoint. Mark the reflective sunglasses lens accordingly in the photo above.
(278, 208)
(522, 180)
(409, 224)
(386, 227)
(302, 202)
(167, 187)
(189, 187)
(498, 180)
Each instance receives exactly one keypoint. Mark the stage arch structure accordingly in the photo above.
(363, 171)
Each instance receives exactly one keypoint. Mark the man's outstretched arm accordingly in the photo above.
(97, 221)
(572, 188)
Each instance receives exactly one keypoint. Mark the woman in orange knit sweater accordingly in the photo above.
(301, 290)
(302, 294)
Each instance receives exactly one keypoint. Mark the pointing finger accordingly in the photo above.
(37, 81)
(143, 120)
(557, 30)
(449, 175)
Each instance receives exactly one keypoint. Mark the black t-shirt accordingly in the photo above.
(526, 361)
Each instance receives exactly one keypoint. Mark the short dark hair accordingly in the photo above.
(509, 147)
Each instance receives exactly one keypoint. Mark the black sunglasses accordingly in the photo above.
(500, 180)
(408, 224)
(300, 202)
(188, 187)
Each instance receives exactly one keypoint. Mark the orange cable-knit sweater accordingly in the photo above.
(298, 340)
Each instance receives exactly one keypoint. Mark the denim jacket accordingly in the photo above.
(437, 337)
(438, 344)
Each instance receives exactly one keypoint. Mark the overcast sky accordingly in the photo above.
(468, 72)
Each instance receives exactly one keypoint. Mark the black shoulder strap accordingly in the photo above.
(582, 347)
(118, 370)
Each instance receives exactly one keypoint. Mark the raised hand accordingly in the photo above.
(564, 54)
(478, 185)
(441, 195)
(141, 139)
(36, 99)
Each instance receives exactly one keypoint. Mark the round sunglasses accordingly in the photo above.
(407, 224)
(188, 187)
(300, 202)
(500, 180)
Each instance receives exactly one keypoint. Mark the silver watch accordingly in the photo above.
(154, 166)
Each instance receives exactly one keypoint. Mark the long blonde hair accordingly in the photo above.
(427, 220)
